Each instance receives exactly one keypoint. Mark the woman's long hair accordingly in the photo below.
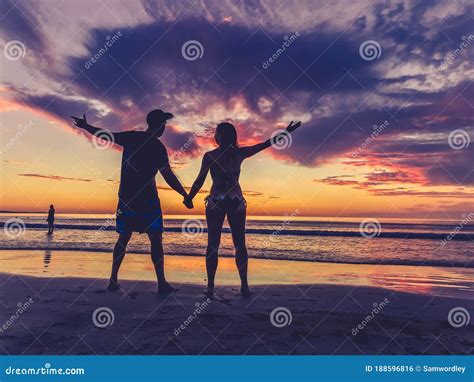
(226, 135)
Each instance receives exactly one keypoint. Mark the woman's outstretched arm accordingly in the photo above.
(205, 165)
(252, 150)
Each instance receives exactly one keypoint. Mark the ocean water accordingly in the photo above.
(386, 241)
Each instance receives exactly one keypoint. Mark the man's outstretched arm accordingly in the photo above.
(82, 124)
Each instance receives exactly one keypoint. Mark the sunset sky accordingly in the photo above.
(416, 92)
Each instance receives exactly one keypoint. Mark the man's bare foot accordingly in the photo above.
(165, 289)
(113, 286)
(209, 291)
(245, 291)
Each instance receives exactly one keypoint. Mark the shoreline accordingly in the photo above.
(421, 263)
(427, 280)
(459, 236)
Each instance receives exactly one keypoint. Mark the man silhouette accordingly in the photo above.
(139, 208)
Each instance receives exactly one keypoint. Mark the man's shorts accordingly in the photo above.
(147, 219)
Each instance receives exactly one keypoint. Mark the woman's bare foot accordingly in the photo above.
(166, 289)
(245, 291)
(113, 286)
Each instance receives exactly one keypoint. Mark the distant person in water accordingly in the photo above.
(50, 219)
(139, 208)
(226, 198)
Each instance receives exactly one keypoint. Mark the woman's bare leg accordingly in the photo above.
(237, 225)
(215, 220)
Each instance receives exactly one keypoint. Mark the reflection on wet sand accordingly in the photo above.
(47, 256)
(441, 281)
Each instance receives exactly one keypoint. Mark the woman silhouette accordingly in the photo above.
(226, 198)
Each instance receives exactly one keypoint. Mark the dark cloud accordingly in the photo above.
(56, 177)
(319, 75)
(400, 191)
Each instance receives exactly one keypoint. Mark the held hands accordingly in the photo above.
(80, 122)
(292, 127)
(188, 202)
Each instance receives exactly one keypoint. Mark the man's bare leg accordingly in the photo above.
(157, 256)
(118, 255)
